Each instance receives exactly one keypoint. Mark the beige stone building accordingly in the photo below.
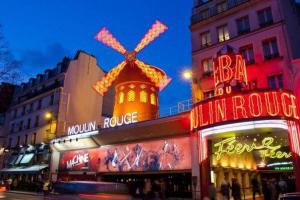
(45, 106)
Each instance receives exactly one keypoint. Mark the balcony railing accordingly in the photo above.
(213, 11)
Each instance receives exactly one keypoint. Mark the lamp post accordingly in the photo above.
(187, 74)
(49, 116)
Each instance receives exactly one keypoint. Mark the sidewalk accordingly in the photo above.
(25, 192)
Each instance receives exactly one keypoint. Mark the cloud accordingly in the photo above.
(44, 58)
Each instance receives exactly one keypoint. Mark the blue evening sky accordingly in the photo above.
(40, 33)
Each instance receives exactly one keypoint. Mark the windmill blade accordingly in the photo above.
(102, 86)
(107, 38)
(158, 77)
(156, 29)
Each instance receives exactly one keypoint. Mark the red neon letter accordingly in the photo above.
(256, 102)
(240, 106)
(224, 66)
(220, 110)
(240, 69)
(286, 109)
(272, 106)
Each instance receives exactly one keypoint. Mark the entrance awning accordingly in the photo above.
(23, 170)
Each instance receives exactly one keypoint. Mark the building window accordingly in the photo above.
(15, 113)
(207, 65)
(247, 53)
(152, 99)
(51, 102)
(21, 125)
(270, 49)
(223, 33)
(243, 25)
(33, 139)
(208, 94)
(204, 14)
(39, 106)
(9, 142)
(31, 107)
(37, 121)
(275, 81)
(26, 139)
(131, 96)
(252, 85)
(265, 17)
(12, 128)
(205, 39)
(18, 140)
(221, 7)
(28, 123)
(121, 97)
(143, 96)
(23, 110)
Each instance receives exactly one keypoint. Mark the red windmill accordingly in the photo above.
(136, 84)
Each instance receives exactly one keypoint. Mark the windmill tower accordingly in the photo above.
(136, 83)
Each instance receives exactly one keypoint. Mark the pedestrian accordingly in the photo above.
(156, 189)
(236, 189)
(255, 186)
(147, 188)
(282, 186)
(163, 189)
(265, 188)
(273, 189)
(212, 192)
(9, 182)
(46, 187)
(225, 190)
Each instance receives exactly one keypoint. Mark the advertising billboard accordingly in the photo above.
(169, 154)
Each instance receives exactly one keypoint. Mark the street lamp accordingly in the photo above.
(48, 115)
(187, 74)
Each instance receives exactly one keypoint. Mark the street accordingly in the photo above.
(17, 196)
(30, 196)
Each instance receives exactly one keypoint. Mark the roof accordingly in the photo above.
(155, 75)
(22, 170)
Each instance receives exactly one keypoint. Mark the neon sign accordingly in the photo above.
(229, 70)
(78, 159)
(81, 128)
(266, 148)
(259, 104)
(128, 118)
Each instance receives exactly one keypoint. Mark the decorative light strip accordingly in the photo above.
(294, 134)
(102, 86)
(203, 155)
(107, 38)
(157, 77)
(73, 137)
(279, 164)
(156, 29)
(245, 126)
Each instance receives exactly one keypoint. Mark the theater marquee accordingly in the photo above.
(250, 105)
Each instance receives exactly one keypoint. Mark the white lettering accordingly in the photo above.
(128, 118)
(77, 160)
(81, 128)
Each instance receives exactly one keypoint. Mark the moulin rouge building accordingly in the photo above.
(238, 133)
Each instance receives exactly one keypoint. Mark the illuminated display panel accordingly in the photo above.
(170, 154)
(251, 151)
(251, 105)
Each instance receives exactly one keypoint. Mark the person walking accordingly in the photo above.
(212, 192)
(46, 187)
(255, 186)
(236, 189)
(225, 190)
